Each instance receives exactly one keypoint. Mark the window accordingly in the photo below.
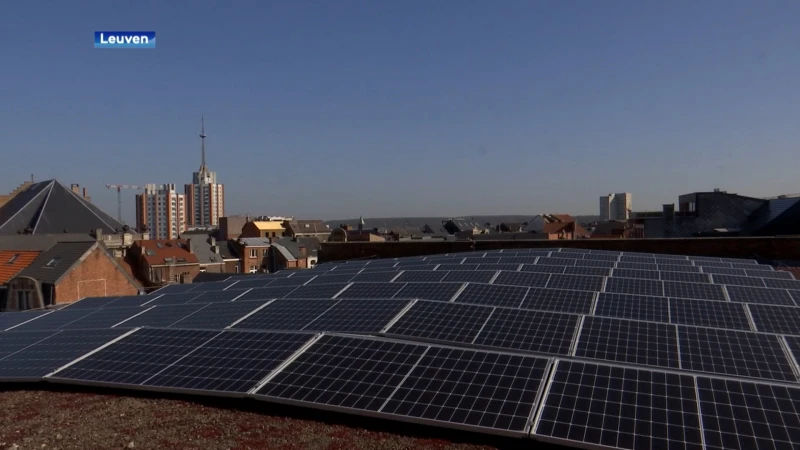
(202, 270)
(253, 253)
(168, 260)
(266, 251)
(236, 268)
(23, 302)
(159, 245)
(253, 269)
(181, 260)
(13, 258)
(53, 262)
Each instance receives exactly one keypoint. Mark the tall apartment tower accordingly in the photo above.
(163, 210)
(615, 206)
(205, 198)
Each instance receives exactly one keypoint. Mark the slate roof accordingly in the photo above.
(775, 217)
(254, 242)
(40, 242)
(14, 261)
(62, 255)
(307, 227)
(311, 244)
(205, 255)
(48, 207)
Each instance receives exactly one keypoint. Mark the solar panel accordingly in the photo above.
(357, 316)
(634, 286)
(730, 352)
(556, 262)
(636, 266)
(693, 290)
(442, 321)
(212, 286)
(628, 341)
(684, 277)
(371, 290)
(479, 260)
(536, 331)
(707, 313)
(632, 273)
(137, 357)
(331, 279)
(232, 361)
(445, 267)
(42, 356)
(734, 280)
(760, 295)
(492, 295)
(522, 279)
(558, 300)
(162, 315)
(267, 293)
(713, 264)
(104, 318)
(637, 307)
(285, 314)
(723, 271)
(325, 291)
(421, 276)
(430, 291)
(175, 289)
(496, 267)
(217, 316)
(601, 257)
(598, 264)
(12, 319)
(289, 281)
(674, 268)
(591, 271)
(674, 262)
(472, 388)
(175, 299)
(575, 282)
(92, 302)
(604, 252)
(11, 343)
(779, 274)
(470, 276)
(249, 284)
(375, 277)
(519, 260)
(637, 259)
(775, 319)
(619, 407)
(542, 269)
(217, 297)
(347, 372)
(568, 255)
(574, 250)
(54, 320)
(738, 415)
(782, 284)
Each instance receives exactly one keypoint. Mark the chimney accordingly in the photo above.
(212, 241)
(98, 234)
(189, 245)
(75, 188)
(85, 194)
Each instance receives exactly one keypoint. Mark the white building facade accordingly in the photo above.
(163, 210)
(616, 206)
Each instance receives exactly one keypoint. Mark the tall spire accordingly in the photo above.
(202, 143)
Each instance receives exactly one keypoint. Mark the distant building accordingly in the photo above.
(162, 210)
(7, 197)
(346, 233)
(262, 229)
(205, 198)
(293, 253)
(254, 252)
(307, 228)
(556, 226)
(615, 206)
(164, 261)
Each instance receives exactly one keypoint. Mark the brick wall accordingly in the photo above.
(734, 247)
(94, 276)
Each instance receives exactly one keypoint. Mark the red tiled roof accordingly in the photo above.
(154, 251)
(12, 262)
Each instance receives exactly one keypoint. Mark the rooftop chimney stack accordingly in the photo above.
(189, 245)
(98, 234)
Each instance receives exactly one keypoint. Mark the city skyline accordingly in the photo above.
(332, 111)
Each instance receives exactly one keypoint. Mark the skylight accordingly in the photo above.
(53, 262)
(13, 258)
(159, 245)
(150, 252)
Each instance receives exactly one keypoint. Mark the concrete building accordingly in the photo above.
(205, 198)
(615, 206)
(162, 210)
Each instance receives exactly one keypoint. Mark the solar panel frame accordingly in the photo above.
(635, 307)
(764, 296)
(575, 282)
(492, 295)
(734, 280)
(700, 291)
(430, 291)
(600, 405)
(628, 341)
(636, 286)
(530, 331)
(709, 313)
(358, 316)
(782, 284)
(438, 321)
(775, 319)
(558, 300)
(525, 279)
(370, 290)
(736, 353)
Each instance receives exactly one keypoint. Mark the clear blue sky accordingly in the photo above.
(334, 109)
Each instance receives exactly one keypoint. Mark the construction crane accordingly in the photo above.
(119, 188)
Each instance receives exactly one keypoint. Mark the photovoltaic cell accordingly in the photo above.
(711, 264)
(730, 352)
(442, 321)
(55, 320)
(779, 274)
(375, 277)
(92, 302)
(331, 279)
(421, 276)
(357, 316)
(176, 299)
(558, 300)
(775, 319)
(267, 293)
(642, 274)
(162, 316)
(536, 331)
(734, 280)
(739, 415)
(629, 341)
(249, 284)
(620, 407)
(522, 279)
(470, 276)
(286, 314)
(708, 313)
(575, 282)
(685, 277)
(590, 271)
(430, 291)
(446, 267)
(636, 266)
(322, 291)
(12, 319)
(674, 268)
(474, 388)
(674, 262)
(371, 290)
(637, 307)
(217, 316)
(793, 343)
(289, 281)
(104, 318)
(634, 286)
(556, 262)
(529, 268)
(760, 295)
(43, 356)
(723, 271)
(492, 295)
(637, 259)
(212, 286)
(347, 372)
(175, 289)
(233, 361)
(13, 342)
(782, 284)
(693, 290)
(217, 297)
(137, 357)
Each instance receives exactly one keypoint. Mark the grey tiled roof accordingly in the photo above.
(39, 242)
(255, 242)
(293, 246)
(68, 254)
(202, 249)
(49, 207)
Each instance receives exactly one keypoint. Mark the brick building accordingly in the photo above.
(307, 228)
(262, 229)
(254, 253)
(230, 227)
(163, 261)
(293, 253)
